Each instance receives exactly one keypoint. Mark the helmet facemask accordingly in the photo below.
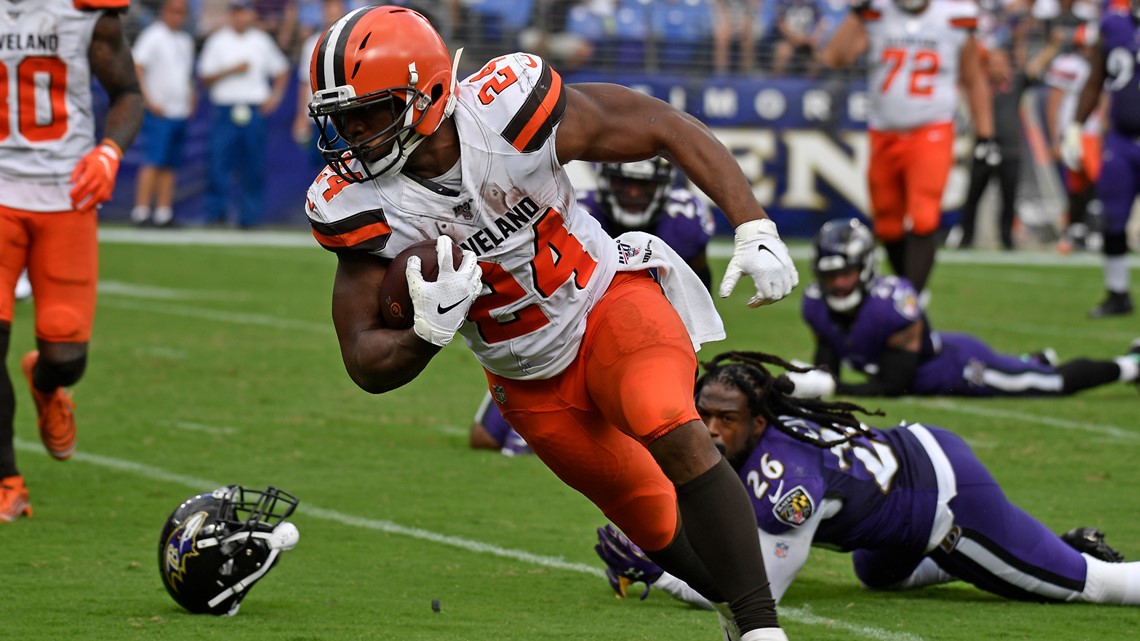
(331, 109)
(843, 245)
(215, 547)
(634, 194)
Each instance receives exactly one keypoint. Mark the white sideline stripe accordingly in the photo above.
(799, 615)
(1102, 429)
(804, 614)
(238, 318)
(131, 290)
(199, 427)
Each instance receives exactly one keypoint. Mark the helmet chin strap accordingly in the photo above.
(283, 537)
(847, 303)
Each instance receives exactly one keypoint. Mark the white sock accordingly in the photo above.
(765, 634)
(140, 213)
(1129, 368)
(927, 573)
(163, 215)
(1116, 273)
(1115, 583)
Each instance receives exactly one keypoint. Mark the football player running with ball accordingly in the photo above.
(636, 196)
(589, 357)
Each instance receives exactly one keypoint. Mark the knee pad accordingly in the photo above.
(60, 324)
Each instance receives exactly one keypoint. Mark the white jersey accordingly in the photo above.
(545, 260)
(914, 60)
(1068, 73)
(47, 123)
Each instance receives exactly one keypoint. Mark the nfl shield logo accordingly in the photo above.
(499, 393)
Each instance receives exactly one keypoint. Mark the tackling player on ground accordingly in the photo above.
(874, 325)
(912, 503)
(53, 175)
(584, 353)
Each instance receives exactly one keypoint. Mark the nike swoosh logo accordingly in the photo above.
(440, 309)
(764, 248)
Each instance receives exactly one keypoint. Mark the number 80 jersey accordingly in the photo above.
(913, 60)
(46, 120)
(545, 260)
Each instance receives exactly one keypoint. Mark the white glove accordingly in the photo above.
(1072, 147)
(761, 254)
(812, 384)
(441, 306)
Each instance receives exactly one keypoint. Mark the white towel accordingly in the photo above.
(638, 250)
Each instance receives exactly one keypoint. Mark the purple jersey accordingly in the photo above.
(685, 223)
(898, 496)
(1120, 35)
(948, 364)
(887, 484)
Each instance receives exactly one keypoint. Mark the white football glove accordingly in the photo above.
(1072, 147)
(441, 306)
(761, 254)
(811, 384)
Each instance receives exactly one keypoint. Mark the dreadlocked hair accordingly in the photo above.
(770, 396)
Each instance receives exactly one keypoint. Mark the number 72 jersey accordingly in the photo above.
(46, 120)
(914, 60)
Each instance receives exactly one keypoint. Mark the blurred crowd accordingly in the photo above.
(676, 36)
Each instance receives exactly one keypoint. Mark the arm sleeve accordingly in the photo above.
(897, 369)
(784, 557)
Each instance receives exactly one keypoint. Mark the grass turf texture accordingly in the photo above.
(218, 364)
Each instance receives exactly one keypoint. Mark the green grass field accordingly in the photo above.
(218, 364)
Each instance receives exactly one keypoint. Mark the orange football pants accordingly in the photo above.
(907, 175)
(60, 251)
(1078, 181)
(631, 383)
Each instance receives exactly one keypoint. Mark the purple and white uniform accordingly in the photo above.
(685, 223)
(948, 364)
(1119, 180)
(914, 505)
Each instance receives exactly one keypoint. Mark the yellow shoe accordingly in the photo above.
(13, 499)
(55, 411)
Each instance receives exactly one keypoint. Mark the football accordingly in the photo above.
(395, 301)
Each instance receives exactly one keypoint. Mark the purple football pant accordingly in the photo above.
(1119, 180)
(994, 545)
(967, 366)
(499, 429)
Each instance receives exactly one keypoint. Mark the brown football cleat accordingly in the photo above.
(55, 412)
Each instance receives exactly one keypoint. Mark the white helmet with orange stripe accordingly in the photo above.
(385, 58)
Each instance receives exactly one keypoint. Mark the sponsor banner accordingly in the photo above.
(802, 144)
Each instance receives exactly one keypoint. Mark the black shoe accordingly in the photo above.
(1115, 304)
(1090, 541)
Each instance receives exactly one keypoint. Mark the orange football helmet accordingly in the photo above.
(386, 56)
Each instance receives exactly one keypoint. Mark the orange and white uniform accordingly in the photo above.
(913, 88)
(46, 126)
(582, 350)
(1068, 73)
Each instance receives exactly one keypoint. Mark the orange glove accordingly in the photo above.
(94, 175)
